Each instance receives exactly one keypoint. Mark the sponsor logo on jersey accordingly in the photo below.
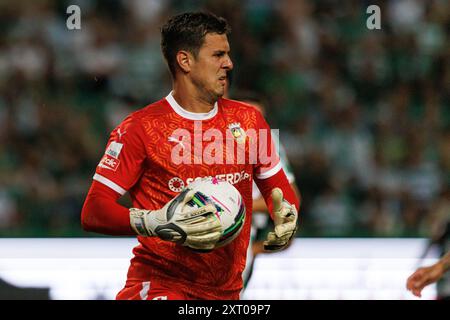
(176, 184)
(114, 149)
(120, 133)
(109, 162)
(180, 142)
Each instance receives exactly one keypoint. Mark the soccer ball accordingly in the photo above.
(228, 202)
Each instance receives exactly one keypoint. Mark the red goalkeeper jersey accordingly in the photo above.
(158, 150)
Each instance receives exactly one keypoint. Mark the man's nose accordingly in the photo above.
(228, 64)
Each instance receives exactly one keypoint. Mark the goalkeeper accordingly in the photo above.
(152, 156)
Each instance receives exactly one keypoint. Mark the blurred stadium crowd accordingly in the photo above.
(363, 114)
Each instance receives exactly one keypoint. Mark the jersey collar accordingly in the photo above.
(187, 114)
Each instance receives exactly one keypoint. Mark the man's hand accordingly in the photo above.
(423, 277)
(285, 220)
(197, 228)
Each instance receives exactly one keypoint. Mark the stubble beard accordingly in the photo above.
(209, 95)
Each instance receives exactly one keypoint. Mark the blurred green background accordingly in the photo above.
(363, 114)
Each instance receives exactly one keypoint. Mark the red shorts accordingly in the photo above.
(151, 290)
(154, 290)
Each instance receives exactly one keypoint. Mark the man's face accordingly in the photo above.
(209, 70)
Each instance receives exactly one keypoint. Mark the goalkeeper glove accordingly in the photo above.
(285, 220)
(197, 228)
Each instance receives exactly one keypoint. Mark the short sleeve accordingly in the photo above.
(123, 161)
(268, 163)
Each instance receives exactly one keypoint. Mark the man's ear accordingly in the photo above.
(184, 60)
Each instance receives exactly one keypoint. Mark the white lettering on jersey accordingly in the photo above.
(109, 162)
(232, 178)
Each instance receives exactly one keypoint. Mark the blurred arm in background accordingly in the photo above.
(428, 275)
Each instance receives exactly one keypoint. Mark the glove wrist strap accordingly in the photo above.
(138, 222)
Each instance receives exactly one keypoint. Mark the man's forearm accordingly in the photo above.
(259, 204)
(445, 261)
(102, 214)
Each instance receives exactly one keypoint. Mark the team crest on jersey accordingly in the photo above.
(238, 133)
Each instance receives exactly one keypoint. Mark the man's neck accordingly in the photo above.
(190, 100)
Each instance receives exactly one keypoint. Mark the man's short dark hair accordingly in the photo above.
(187, 31)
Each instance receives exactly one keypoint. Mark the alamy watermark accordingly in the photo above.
(374, 20)
(237, 146)
(73, 22)
(210, 147)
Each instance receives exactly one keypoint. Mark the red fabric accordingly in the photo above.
(150, 290)
(154, 290)
(102, 214)
(140, 158)
(278, 180)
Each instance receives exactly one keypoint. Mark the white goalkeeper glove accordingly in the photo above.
(197, 228)
(285, 220)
